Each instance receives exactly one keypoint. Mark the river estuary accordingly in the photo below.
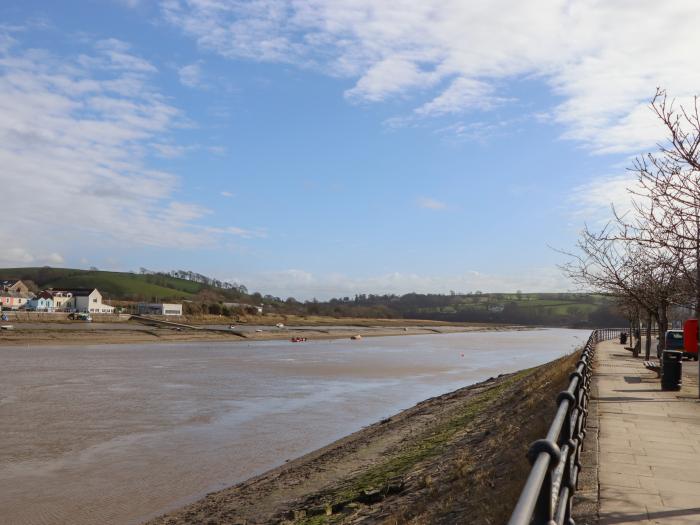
(116, 434)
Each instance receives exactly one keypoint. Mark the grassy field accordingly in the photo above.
(113, 285)
(525, 308)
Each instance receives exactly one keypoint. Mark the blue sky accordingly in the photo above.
(325, 148)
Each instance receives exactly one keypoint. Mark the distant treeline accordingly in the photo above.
(551, 309)
(189, 275)
(203, 294)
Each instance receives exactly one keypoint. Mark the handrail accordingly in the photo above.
(548, 494)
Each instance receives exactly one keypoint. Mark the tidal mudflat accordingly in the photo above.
(121, 433)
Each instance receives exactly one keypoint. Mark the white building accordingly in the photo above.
(87, 300)
(160, 308)
(62, 300)
(247, 307)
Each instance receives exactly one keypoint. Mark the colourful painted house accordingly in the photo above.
(41, 303)
(10, 300)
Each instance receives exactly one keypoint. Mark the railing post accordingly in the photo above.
(544, 508)
(538, 503)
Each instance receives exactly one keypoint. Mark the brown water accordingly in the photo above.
(115, 434)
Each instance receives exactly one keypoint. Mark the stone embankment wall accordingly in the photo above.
(57, 317)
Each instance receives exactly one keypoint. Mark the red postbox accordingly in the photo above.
(690, 338)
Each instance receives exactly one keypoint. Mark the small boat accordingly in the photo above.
(6, 327)
(356, 337)
(298, 339)
(279, 325)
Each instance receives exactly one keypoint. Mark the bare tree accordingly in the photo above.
(643, 276)
(668, 196)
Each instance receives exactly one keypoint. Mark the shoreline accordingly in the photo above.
(141, 334)
(415, 466)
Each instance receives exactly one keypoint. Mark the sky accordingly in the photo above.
(325, 148)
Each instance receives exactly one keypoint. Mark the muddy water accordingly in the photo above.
(120, 433)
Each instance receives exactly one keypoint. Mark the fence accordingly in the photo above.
(547, 496)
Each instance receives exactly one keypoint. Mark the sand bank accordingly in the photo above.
(133, 332)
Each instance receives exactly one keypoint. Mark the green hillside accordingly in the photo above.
(549, 309)
(114, 285)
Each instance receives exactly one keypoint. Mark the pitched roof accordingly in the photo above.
(12, 293)
(76, 292)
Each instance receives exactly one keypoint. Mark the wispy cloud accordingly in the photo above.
(431, 204)
(453, 55)
(191, 75)
(130, 3)
(244, 233)
(75, 137)
(170, 151)
(461, 95)
(594, 200)
(18, 255)
(217, 150)
(226, 194)
(306, 285)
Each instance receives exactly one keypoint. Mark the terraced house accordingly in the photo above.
(14, 294)
(43, 302)
(88, 300)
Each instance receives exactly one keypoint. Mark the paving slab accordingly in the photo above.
(649, 442)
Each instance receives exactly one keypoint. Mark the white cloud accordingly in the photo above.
(119, 57)
(603, 59)
(462, 94)
(431, 204)
(217, 150)
(226, 194)
(602, 193)
(594, 200)
(55, 258)
(75, 137)
(236, 231)
(170, 151)
(191, 75)
(11, 256)
(305, 285)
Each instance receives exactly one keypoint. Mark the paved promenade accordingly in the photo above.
(649, 442)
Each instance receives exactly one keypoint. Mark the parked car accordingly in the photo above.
(674, 341)
(79, 316)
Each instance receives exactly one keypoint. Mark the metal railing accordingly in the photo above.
(547, 496)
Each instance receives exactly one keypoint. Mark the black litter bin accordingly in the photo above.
(623, 338)
(671, 369)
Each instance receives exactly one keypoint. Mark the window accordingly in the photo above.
(94, 300)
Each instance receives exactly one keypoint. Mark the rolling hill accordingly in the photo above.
(113, 285)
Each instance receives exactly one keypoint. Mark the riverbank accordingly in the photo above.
(459, 457)
(134, 332)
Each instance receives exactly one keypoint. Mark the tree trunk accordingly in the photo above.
(630, 339)
(647, 346)
(663, 325)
